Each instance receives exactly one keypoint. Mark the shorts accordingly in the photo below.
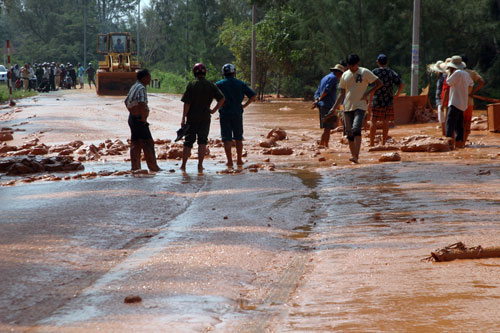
(383, 113)
(330, 122)
(139, 130)
(231, 126)
(198, 128)
(353, 123)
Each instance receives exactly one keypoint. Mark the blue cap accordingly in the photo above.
(381, 57)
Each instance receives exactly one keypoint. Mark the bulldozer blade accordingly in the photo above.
(115, 83)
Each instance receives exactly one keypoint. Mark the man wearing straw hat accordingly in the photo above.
(459, 82)
(324, 99)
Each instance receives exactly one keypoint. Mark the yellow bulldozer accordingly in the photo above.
(117, 73)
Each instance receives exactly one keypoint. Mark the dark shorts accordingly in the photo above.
(198, 128)
(138, 129)
(231, 126)
(383, 113)
(330, 122)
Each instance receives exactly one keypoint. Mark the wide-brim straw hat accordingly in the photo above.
(457, 60)
(437, 67)
(338, 67)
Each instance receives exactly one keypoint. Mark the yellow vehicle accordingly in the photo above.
(117, 73)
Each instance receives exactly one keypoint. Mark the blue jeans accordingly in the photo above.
(353, 123)
(455, 123)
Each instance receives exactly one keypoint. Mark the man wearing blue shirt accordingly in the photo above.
(324, 99)
(231, 113)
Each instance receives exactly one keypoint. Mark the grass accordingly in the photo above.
(16, 94)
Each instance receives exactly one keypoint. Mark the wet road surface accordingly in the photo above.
(313, 247)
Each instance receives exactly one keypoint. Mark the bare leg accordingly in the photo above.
(352, 148)
(357, 147)
(229, 156)
(239, 152)
(325, 137)
(385, 132)
(202, 149)
(373, 131)
(186, 152)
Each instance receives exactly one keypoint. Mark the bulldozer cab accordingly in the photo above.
(114, 43)
(117, 72)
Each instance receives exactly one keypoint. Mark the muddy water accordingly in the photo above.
(371, 224)
(377, 224)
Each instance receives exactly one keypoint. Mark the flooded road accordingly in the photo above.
(318, 245)
(377, 224)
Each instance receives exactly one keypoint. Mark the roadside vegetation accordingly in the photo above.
(297, 41)
(16, 94)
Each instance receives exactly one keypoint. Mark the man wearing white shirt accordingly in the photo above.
(459, 82)
(354, 95)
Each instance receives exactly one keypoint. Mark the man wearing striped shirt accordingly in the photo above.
(141, 140)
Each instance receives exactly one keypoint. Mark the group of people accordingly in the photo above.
(45, 77)
(196, 117)
(455, 87)
(359, 89)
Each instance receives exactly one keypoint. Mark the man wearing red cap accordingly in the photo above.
(197, 99)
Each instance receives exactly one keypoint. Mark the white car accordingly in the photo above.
(3, 74)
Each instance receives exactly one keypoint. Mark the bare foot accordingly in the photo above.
(229, 165)
(183, 167)
(354, 160)
(240, 163)
(200, 168)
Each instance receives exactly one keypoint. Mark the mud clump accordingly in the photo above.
(19, 165)
(131, 299)
(277, 134)
(390, 157)
(424, 143)
(6, 134)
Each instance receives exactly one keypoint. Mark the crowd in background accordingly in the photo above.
(50, 76)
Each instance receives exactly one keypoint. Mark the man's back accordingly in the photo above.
(234, 91)
(328, 84)
(199, 94)
(384, 96)
(459, 83)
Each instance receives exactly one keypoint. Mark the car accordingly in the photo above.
(3, 74)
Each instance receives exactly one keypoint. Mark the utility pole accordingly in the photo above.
(187, 38)
(252, 63)
(415, 48)
(138, 27)
(85, 32)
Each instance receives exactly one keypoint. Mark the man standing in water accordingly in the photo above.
(459, 81)
(355, 97)
(324, 99)
(382, 107)
(231, 113)
(137, 104)
(197, 99)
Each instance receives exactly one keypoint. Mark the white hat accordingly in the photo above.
(438, 67)
(457, 60)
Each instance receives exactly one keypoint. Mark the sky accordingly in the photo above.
(144, 3)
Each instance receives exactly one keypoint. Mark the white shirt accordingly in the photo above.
(459, 83)
(355, 85)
